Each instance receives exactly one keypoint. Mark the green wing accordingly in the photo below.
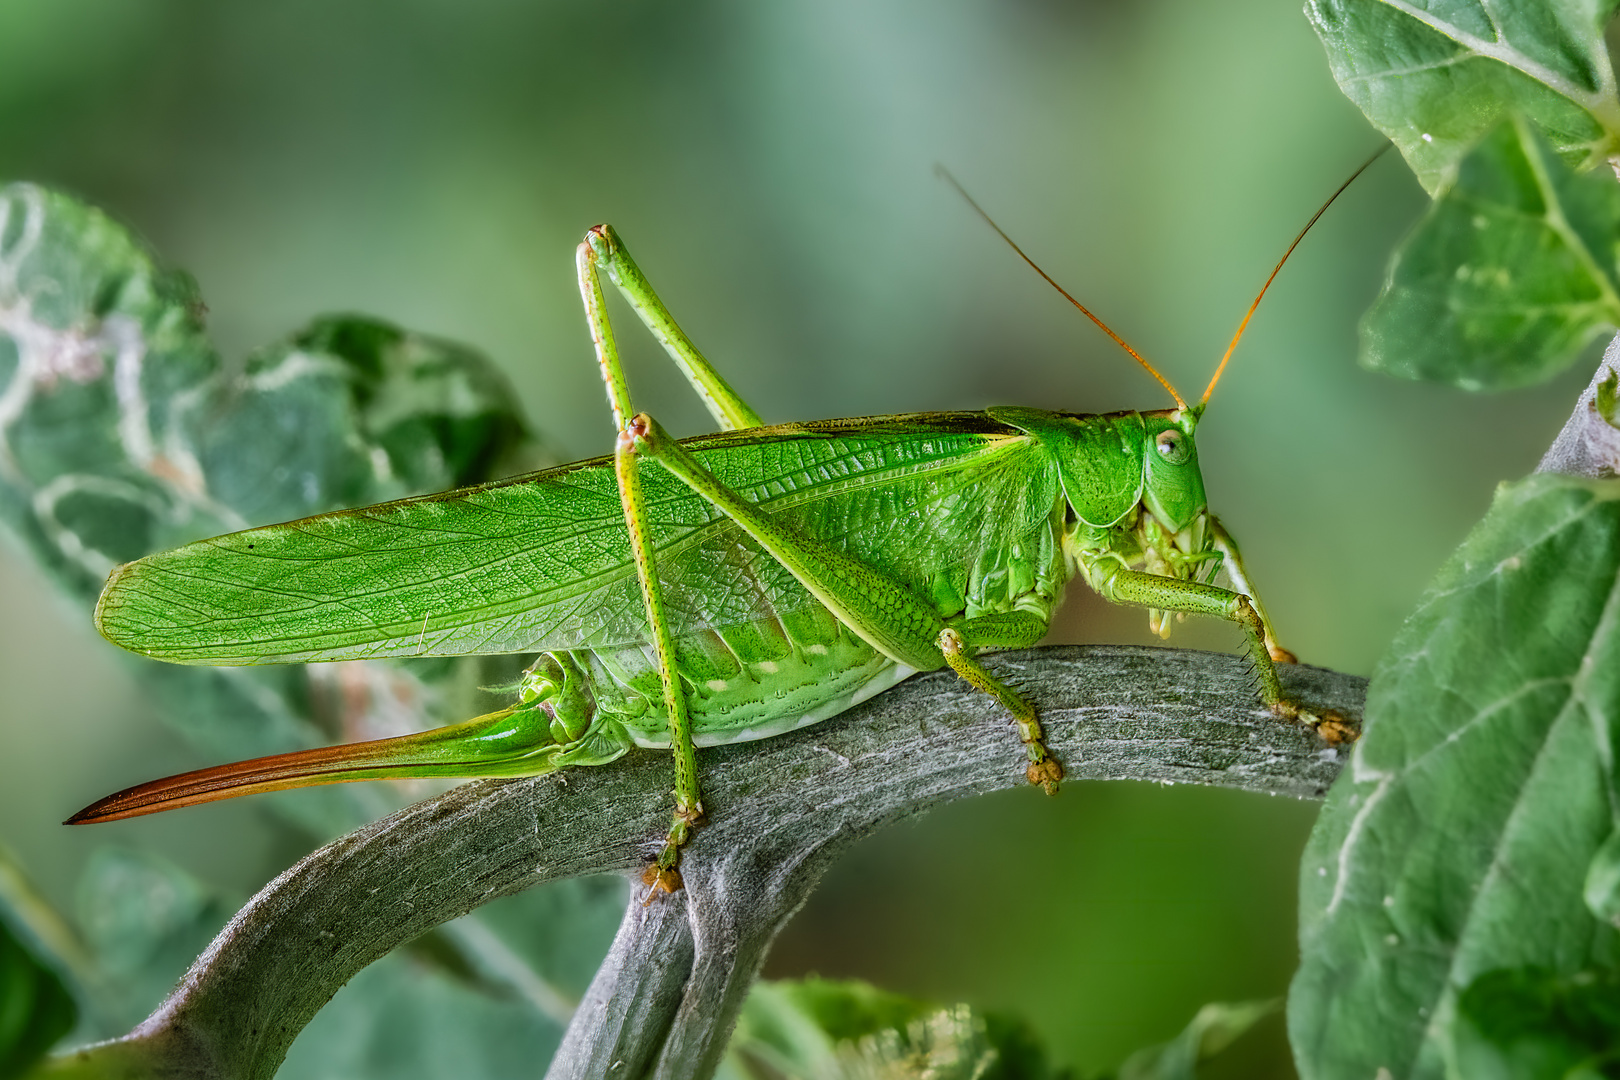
(542, 562)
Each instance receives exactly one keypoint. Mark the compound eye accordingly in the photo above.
(1173, 446)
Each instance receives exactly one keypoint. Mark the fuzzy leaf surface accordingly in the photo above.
(1436, 76)
(1460, 836)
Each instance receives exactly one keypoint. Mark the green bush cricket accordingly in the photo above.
(750, 582)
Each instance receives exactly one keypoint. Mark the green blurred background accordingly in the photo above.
(770, 165)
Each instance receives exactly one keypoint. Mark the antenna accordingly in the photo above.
(1181, 402)
(1244, 325)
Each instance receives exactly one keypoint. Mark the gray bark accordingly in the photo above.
(781, 811)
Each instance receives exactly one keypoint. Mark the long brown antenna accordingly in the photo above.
(943, 172)
(1244, 325)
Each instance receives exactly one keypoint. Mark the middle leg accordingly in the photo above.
(1013, 630)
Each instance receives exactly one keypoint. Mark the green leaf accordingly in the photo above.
(823, 1029)
(1530, 1024)
(122, 432)
(35, 1008)
(1460, 836)
(144, 920)
(352, 410)
(47, 978)
(486, 996)
(1436, 76)
(1510, 274)
(98, 347)
(1214, 1028)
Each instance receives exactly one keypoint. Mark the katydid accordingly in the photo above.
(710, 590)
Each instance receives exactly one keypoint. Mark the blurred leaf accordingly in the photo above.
(121, 432)
(823, 1029)
(1436, 76)
(439, 1007)
(350, 411)
(1215, 1027)
(1510, 274)
(100, 350)
(497, 1009)
(1529, 1024)
(1459, 838)
(40, 927)
(544, 944)
(144, 920)
(35, 1008)
(400, 1019)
